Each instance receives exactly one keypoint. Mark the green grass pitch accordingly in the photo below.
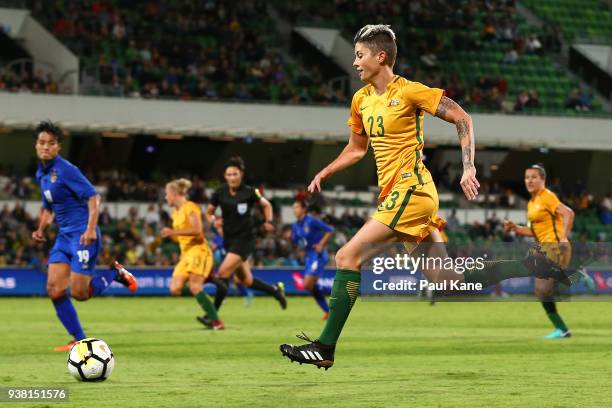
(391, 354)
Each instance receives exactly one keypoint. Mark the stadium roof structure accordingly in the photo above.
(284, 122)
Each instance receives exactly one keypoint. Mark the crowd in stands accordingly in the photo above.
(210, 50)
(134, 239)
(112, 185)
(224, 50)
(579, 99)
(122, 186)
(433, 33)
(16, 245)
(10, 81)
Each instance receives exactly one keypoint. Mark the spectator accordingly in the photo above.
(526, 99)
(452, 223)
(533, 44)
(152, 218)
(605, 210)
(105, 218)
(579, 100)
(488, 31)
(511, 56)
(506, 31)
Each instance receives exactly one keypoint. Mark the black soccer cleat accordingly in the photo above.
(543, 267)
(314, 352)
(280, 295)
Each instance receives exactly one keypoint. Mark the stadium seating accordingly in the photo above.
(462, 52)
(182, 50)
(133, 236)
(231, 50)
(577, 19)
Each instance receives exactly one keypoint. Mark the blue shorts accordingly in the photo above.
(67, 249)
(315, 263)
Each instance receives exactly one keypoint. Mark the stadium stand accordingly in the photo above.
(577, 19)
(10, 81)
(483, 53)
(133, 237)
(196, 50)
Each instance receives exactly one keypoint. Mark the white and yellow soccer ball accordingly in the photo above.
(91, 360)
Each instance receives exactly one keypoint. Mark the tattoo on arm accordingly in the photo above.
(466, 156)
(446, 104)
(463, 129)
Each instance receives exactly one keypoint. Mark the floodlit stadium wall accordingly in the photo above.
(97, 114)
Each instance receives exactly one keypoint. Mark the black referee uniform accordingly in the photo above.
(238, 224)
(239, 233)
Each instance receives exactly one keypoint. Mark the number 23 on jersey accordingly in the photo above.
(379, 129)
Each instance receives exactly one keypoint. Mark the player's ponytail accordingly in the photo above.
(180, 186)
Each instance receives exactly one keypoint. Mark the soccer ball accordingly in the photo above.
(91, 360)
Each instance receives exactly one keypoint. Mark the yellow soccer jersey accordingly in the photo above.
(546, 225)
(180, 221)
(394, 122)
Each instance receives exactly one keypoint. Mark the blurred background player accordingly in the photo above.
(312, 234)
(550, 223)
(388, 113)
(237, 201)
(70, 199)
(196, 261)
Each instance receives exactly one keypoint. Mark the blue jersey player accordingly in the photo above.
(70, 199)
(312, 235)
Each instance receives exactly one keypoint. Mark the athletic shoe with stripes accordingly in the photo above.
(125, 277)
(314, 352)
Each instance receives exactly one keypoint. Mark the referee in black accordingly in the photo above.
(237, 201)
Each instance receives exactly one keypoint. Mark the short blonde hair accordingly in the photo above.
(180, 186)
(378, 37)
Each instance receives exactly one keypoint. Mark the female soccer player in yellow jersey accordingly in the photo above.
(388, 114)
(550, 222)
(196, 259)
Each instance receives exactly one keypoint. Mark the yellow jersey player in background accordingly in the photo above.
(196, 259)
(388, 113)
(550, 223)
